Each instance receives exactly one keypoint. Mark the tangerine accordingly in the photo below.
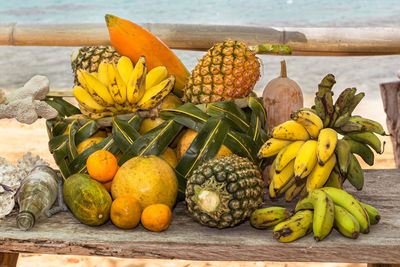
(102, 165)
(125, 212)
(156, 217)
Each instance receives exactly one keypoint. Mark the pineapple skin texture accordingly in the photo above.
(228, 71)
(89, 58)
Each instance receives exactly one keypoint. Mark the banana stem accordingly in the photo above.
(271, 49)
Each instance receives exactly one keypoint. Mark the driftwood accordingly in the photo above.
(303, 41)
(390, 93)
(186, 239)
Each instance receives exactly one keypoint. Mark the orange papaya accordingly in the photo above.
(131, 40)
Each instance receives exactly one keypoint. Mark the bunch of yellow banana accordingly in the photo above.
(318, 212)
(304, 153)
(121, 88)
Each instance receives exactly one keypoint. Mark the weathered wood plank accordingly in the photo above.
(390, 93)
(304, 41)
(185, 239)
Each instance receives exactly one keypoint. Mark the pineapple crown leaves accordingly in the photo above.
(240, 125)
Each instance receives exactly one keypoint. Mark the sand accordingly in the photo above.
(365, 73)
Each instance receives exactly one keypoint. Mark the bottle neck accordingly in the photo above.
(25, 220)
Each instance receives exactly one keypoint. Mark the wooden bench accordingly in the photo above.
(186, 239)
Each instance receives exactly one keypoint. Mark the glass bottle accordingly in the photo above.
(36, 195)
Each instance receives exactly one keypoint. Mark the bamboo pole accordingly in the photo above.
(304, 41)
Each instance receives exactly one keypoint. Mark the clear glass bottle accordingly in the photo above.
(36, 195)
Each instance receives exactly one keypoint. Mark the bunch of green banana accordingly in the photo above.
(324, 209)
(121, 88)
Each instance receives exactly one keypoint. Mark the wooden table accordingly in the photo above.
(186, 239)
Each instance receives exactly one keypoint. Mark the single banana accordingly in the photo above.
(341, 120)
(294, 190)
(286, 155)
(320, 174)
(346, 224)
(271, 190)
(102, 74)
(136, 85)
(94, 115)
(334, 180)
(85, 99)
(350, 126)
(97, 90)
(94, 74)
(355, 101)
(355, 174)
(280, 179)
(342, 151)
(367, 138)
(362, 150)
(373, 213)
(328, 101)
(307, 109)
(286, 187)
(155, 76)
(345, 200)
(324, 213)
(297, 226)
(326, 85)
(290, 130)
(125, 68)
(320, 108)
(370, 125)
(327, 140)
(153, 96)
(267, 217)
(272, 147)
(306, 159)
(117, 86)
(311, 121)
(344, 100)
(271, 172)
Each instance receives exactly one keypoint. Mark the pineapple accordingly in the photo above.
(88, 58)
(228, 71)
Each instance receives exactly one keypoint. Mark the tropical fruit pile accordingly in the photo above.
(318, 212)
(309, 152)
(147, 133)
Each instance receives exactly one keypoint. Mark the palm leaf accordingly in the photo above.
(205, 146)
(86, 131)
(231, 112)
(59, 128)
(153, 142)
(124, 134)
(257, 107)
(242, 144)
(72, 152)
(68, 107)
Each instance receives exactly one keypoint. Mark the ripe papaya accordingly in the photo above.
(131, 40)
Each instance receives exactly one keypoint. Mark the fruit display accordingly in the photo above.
(282, 96)
(228, 71)
(121, 88)
(88, 58)
(224, 191)
(317, 146)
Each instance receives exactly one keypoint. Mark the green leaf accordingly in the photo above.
(135, 121)
(124, 134)
(231, 112)
(205, 146)
(56, 142)
(242, 144)
(86, 131)
(72, 152)
(59, 128)
(68, 107)
(153, 142)
(62, 112)
(188, 115)
(257, 106)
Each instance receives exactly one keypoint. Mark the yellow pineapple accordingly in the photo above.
(228, 71)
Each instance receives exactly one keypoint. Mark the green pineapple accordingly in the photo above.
(224, 191)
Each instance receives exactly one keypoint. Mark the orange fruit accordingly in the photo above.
(156, 217)
(107, 186)
(125, 212)
(102, 165)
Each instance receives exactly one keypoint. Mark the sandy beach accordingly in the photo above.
(365, 73)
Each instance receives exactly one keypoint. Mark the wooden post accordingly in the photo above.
(8, 259)
(382, 265)
(390, 93)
